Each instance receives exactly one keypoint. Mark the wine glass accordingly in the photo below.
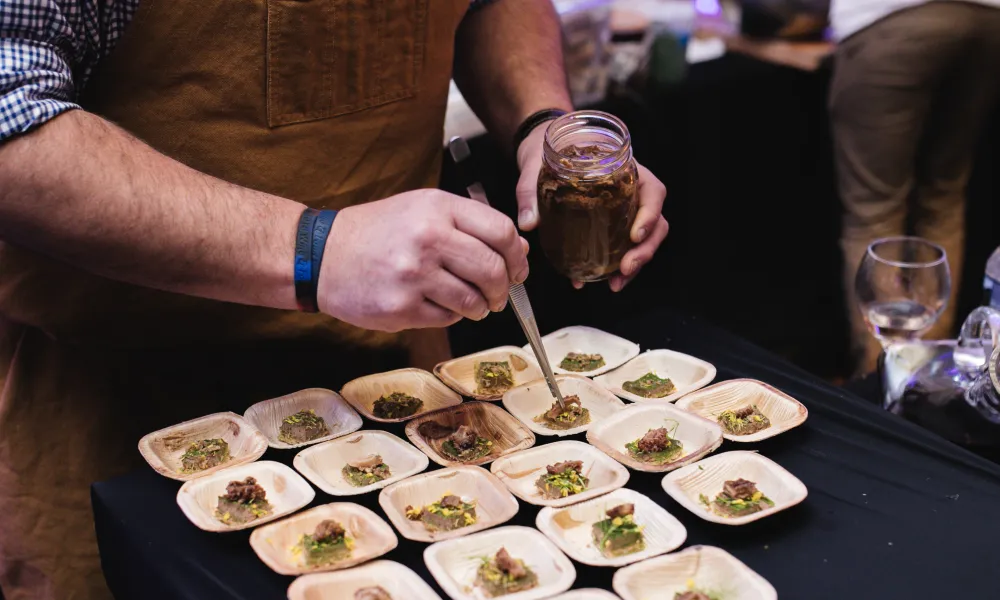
(902, 286)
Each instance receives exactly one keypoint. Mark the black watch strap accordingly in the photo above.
(534, 120)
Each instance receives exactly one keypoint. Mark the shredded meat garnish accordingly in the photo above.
(656, 440)
(692, 596)
(432, 430)
(451, 501)
(557, 410)
(245, 491)
(372, 460)
(622, 510)
(506, 563)
(576, 465)
(464, 438)
(739, 488)
(328, 530)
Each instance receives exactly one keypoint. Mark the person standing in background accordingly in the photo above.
(914, 82)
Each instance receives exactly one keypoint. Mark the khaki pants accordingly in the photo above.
(908, 100)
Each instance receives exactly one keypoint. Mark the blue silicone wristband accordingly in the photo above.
(305, 288)
(321, 230)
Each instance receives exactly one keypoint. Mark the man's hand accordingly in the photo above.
(424, 258)
(648, 232)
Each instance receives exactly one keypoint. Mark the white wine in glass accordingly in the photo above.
(902, 286)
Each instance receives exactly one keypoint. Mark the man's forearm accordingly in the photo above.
(84, 192)
(509, 63)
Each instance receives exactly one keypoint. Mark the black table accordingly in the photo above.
(893, 511)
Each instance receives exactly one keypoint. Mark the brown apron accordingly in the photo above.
(328, 102)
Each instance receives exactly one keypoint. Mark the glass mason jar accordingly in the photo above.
(587, 194)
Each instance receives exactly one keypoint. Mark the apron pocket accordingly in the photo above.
(331, 57)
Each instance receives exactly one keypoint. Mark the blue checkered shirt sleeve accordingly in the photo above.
(38, 45)
(48, 48)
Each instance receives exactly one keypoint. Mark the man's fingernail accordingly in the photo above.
(525, 217)
(641, 234)
(520, 277)
(502, 306)
(484, 315)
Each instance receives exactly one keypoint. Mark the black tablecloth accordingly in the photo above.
(893, 511)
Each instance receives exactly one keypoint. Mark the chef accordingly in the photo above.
(205, 204)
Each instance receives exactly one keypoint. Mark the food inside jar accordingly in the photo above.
(585, 223)
(243, 502)
(579, 362)
(744, 421)
(571, 414)
(739, 497)
(650, 386)
(503, 574)
(303, 426)
(366, 471)
(465, 444)
(493, 377)
(656, 447)
(327, 544)
(448, 513)
(204, 454)
(562, 480)
(619, 534)
(396, 406)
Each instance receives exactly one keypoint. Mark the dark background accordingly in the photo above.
(744, 149)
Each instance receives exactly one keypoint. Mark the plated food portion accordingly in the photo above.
(449, 513)
(559, 474)
(203, 455)
(746, 409)
(650, 386)
(694, 573)
(658, 374)
(578, 362)
(568, 415)
(396, 396)
(585, 403)
(327, 537)
(396, 405)
(655, 436)
(447, 503)
(488, 374)
(562, 480)
(739, 497)
(613, 530)
(305, 417)
(734, 488)
(243, 502)
(359, 463)
(586, 351)
(502, 574)
(202, 446)
(508, 561)
(378, 580)
(243, 496)
(473, 433)
(656, 446)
